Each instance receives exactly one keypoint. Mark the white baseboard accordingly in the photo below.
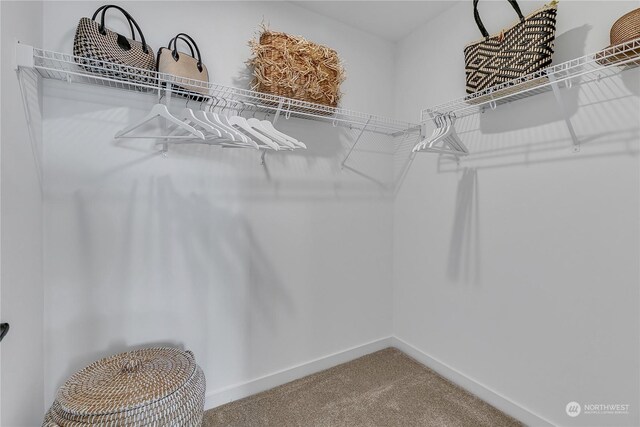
(485, 393)
(266, 382)
(238, 391)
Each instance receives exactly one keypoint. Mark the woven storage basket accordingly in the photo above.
(293, 67)
(624, 30)
(155, 386)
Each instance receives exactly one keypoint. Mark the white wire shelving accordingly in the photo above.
(73, 69)
(592, 67)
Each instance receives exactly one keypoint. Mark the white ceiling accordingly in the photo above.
(391, 20)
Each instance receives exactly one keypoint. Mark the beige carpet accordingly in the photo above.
(386, 388)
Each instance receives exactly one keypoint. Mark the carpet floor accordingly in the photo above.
(386, 388)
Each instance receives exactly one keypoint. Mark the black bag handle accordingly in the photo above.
(476, 15)
(93, 18)
(190, 42)
(173, 40)
(129, 18)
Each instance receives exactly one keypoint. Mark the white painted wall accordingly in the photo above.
(256, 269)
(519, 266)
(21, 368)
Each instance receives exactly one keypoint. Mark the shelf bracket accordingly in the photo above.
(356, 142)
(23, 56)
(277, 115)
(165, 126)
(564, 112)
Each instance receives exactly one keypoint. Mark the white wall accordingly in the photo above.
(519, 266)
(256, 269)
(21, 385)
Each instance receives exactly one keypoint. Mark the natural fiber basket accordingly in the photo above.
(293, 67)
(154, 386)
(624, 30)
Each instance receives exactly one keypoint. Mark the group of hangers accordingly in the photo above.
(206, 125)
(444, 138)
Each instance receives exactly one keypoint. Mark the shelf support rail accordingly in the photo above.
(563, 111)
(164, 96)
(277, 115)
(23, 61)
(356, 141)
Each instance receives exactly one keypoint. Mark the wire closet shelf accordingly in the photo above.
(595, 66)
(73, 69)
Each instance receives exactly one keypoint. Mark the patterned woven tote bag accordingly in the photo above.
(522, 49)
(106, 52)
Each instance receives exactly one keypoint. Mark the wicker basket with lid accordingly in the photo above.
(154, 386)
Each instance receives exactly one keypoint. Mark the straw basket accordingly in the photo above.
(293, 67)
(153, 386)
(623, 31)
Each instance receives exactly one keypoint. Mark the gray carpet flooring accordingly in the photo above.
(386, 388)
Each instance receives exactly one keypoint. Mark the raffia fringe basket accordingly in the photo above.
(155, 386)
(293, 67)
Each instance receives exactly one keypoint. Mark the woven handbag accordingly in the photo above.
(106, 52)
(522, 49)
(183, 66)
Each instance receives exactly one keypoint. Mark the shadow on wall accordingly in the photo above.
(303, 171)
(631, 82)
(464, 248)
(244, 78)
(606, 122)
(518, 115)
(31, 96)
(218, 259)
(173, 263)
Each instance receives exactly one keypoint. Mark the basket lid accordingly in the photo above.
(126, 381)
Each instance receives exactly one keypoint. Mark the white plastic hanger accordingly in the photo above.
(257, 124)
(267, 124)
(437, 131)
(187, 114)
(160, 110)
(254, 124)
(224, 142)
(216, 141)
(223, 121)
(238, 137)
(442, 130)
(444, 138)
(224, 133)
(450, 136)
(279, 137)
(242, 123)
